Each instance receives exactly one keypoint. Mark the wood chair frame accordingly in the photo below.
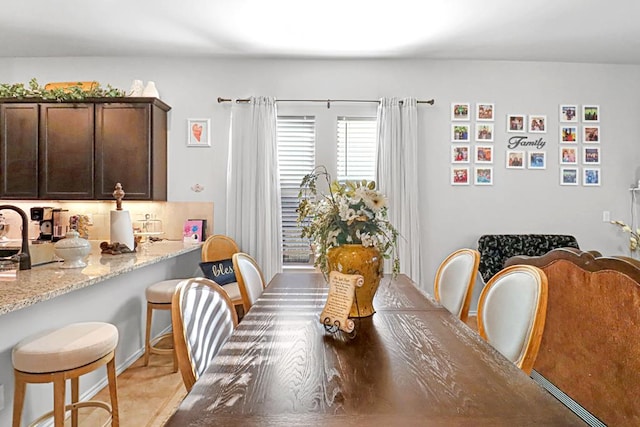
(466, 302)
(246, 301)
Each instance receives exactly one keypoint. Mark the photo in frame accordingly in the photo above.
(460, 111)
(569, 113)
(537, 159)
(591, 155)
(198, 133)
(485, 112)
(460, 175)
(515, 159)
(591, 134)
(460, 154)
(484, 154)
(460, 132)
(484, 132)
(568, 134)
(537, 124)
(568, 155)
(591, 176)
(516, 123)
(590, 113)
(568, 176)
(484, 175)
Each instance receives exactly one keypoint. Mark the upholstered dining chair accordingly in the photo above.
(454, 281)
(250, 278)
(203, 318)
(219, 248)
(511, 313)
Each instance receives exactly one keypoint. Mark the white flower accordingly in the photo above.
(626, 229)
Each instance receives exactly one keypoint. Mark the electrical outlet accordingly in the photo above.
(606, 216)
(1, 397)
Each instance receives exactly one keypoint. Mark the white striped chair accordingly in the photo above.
(203, 318)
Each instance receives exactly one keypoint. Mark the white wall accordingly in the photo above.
(520, 201)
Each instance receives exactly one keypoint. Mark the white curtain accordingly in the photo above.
(397, 177)
(253, 184)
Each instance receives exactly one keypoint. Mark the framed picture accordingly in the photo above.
(590, 113)
(591, 134)
(516, 123)
(591, 155)
(568, 134)
(537, 124)
(515, 159)
(537, 159)
(484, 154)
(460, 175)
(484, 132)
(484, 175)
(484, 112)
(460, 111)
(568, 155)
(198, 133)
(460, 154)
(568, 176)
(591, 176)
(569, 113)
(460, 132)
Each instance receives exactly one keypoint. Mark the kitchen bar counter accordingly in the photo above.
(44, 282)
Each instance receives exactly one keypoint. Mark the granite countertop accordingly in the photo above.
(47, 281)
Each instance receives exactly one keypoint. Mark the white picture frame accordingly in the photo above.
(568, 134)
(537, 123)
(591, 177)
(569, 176)
(515, 159)
(460, 175)
(590, 155)
(568, 113)
(516, 123)
(461, 132)
(591, 134)
(460, 111)
(590, 113)
(485, 112)
(483, 175)
(198, 132)
(568, 155)
(537, 159)
(483, 154)
(460, 153)
(484, 132)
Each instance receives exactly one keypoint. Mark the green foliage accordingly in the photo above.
(71, 93)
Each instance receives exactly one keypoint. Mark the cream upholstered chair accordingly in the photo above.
(511, 313)
(64, 353)
(454, 281)
(203, 318)
(250, 278)
(219, 247)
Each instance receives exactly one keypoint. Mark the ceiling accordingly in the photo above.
(596, 31)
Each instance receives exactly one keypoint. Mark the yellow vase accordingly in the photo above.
(367, 262)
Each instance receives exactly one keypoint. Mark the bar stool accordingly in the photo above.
(159, 298)
(65, 353)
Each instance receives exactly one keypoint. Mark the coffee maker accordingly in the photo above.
(53, 223)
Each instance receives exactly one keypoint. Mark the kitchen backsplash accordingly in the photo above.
(171, 214)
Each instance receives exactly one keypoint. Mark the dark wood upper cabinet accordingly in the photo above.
(19, 151)
(76, 151)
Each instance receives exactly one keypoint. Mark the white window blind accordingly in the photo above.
(356, 148)
(296, 157)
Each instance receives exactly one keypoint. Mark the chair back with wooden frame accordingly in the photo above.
(219, 247)
(454, 281)
(250, 278)
(512, 311)
(203, 318)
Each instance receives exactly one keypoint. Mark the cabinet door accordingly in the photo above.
(66, 151)
(130, 150)
(19, 151)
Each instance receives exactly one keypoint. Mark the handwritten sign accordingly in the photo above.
(342, 288)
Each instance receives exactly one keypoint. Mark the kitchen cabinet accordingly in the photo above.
(79, 151)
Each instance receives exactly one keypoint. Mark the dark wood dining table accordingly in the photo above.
(411, 363)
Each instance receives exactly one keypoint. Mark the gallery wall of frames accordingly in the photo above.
(526, 144)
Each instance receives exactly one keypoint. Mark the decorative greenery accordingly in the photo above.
(71, 93)
(352, 213)
(634, 236)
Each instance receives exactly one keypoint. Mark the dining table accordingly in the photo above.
(412, 363)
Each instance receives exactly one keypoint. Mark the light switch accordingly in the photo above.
(606, 216)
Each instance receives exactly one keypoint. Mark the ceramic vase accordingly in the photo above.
(365, 261)
(73, 250)
(150, 90)
(136, 88)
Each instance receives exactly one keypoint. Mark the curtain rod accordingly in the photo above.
(328, 101)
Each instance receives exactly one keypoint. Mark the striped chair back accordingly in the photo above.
(203, 318)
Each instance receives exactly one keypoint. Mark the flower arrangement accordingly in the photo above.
(634, 236)
(352, 213)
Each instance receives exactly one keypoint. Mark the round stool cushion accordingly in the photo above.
(162, 292)
(66, 348)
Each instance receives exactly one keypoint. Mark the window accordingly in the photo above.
(356, 148)
(296, 158)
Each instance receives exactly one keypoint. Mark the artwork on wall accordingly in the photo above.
(460, 154)
(484, 132)
(591, 176)
(460, 132)
(537, 159)
(460, 111)
(516, 122)
(569, 134)
(569, 113)
(484, 112)
(591, 155)
(591, 134)
(198, 133)
(590, 113)
(515, 159)
(460, 175)
(568, 176)
(484, 154)
(537, 123)
(484, 175)
(568, 156)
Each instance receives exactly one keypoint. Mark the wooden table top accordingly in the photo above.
(411, 363)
